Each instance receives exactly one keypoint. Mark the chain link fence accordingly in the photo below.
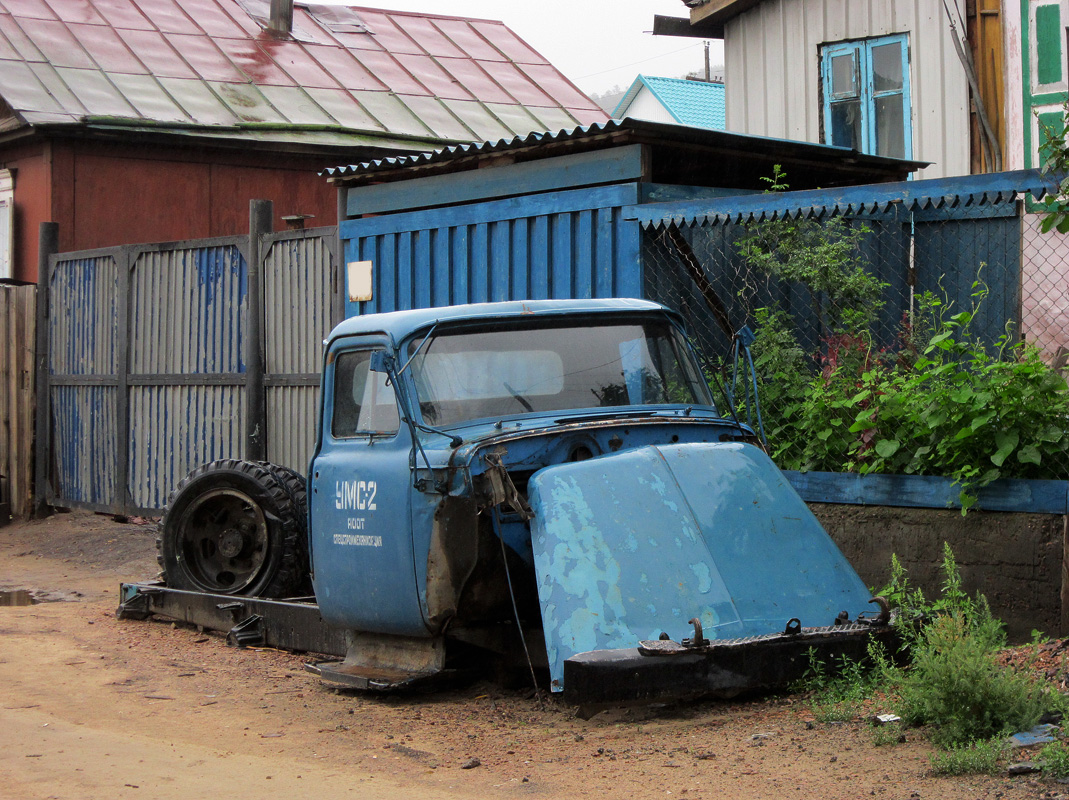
(896, 337)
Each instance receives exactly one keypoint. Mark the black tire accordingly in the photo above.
(295, 484)
(234, 527)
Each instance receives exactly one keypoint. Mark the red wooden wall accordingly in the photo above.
(105, 194)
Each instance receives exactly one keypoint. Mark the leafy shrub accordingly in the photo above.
(1055, 151)
(838, 690)
(1055, 760)
(955, 684)
(940, 402)
(971, 758)
(951, 406)
(889, 734)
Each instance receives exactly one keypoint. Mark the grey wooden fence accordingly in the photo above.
(16, 399)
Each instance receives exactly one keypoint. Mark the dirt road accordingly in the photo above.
(92, 707)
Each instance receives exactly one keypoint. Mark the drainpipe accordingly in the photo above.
(281, 23)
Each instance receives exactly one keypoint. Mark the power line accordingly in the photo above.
(636, 63)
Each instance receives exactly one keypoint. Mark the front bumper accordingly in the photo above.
(666, 670)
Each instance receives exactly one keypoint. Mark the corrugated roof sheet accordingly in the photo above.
(942, 193)
(209, 66)
(690, 102)
(765, 149)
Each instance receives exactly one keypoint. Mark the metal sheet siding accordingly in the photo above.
(181, 392)
(298, 291)
(502, 250)
(83, 339)
(188, 311)
(773, 53)
(297, 303)
(292, 412)
(176, 428)
(84, 436)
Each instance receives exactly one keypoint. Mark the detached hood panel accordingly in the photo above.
(638, 542)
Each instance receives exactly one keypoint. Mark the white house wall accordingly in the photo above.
(646, 106)
(772, 71)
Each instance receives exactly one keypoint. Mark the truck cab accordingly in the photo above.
(551, 474)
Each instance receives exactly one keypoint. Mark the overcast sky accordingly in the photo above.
(596, 43)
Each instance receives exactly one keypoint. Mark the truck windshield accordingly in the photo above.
(515, 370)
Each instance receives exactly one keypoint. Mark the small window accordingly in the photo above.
(363, 402)
(866, 96)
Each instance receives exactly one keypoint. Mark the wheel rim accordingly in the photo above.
(223, 540)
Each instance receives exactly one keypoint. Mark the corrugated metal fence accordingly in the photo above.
(154, 366)
(17, 305)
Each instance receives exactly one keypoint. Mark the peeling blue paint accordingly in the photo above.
(747, 556)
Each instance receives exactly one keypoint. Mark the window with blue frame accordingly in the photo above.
(866, 95)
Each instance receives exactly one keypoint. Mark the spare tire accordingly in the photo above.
(294, 483)
(233, 527)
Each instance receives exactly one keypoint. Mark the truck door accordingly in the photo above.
(359, 501)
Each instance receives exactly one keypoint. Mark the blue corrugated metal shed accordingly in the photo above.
(697, 103)
(549, 215)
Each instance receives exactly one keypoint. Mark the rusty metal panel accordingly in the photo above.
(292, 414)
(83, 338)
(111, 68)
(176, 428)
(84, 435)
(189, 307)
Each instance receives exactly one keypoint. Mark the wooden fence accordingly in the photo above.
(17, 330)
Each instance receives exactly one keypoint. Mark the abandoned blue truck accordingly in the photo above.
(543, 483)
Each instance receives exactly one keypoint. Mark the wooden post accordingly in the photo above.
(48, 246)
(261, 217)
(1065, 577)
(124, 264)
(338, 278)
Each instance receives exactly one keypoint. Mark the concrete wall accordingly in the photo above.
(1014, 559)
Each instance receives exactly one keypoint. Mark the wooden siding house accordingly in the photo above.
(962, 84)
(131, 121)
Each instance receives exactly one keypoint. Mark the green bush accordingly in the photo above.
(1055, 760)
(972, 758)
(955, 685)
(949, 405)
(939, 402)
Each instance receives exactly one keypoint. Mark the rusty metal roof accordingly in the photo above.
(210, 68)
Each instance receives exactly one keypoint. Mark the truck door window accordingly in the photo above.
(363, 403)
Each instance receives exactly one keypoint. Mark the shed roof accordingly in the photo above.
(210, 68)
(678, 155)
(706, 18)
(697, 103)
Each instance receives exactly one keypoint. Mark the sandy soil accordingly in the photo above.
(92, 707)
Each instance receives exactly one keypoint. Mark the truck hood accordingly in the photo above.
(638, 542)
